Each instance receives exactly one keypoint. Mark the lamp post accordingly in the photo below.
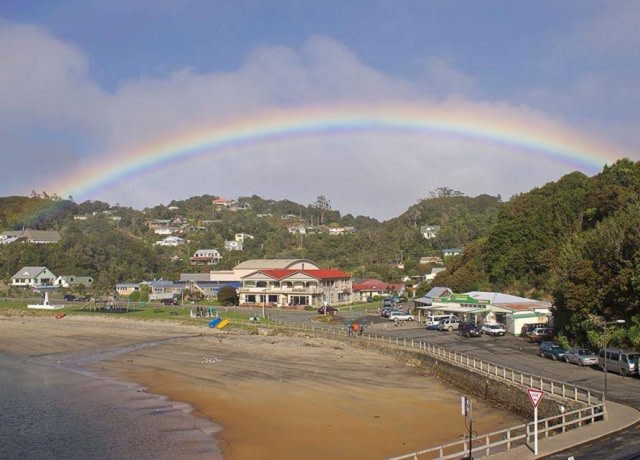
(606, 355)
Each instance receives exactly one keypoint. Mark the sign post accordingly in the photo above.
(535, 396)
(466, 412)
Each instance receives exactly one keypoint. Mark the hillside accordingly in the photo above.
(114, 243)
(576, 241)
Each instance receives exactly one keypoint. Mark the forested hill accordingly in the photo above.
(113, 243)
(576, 240)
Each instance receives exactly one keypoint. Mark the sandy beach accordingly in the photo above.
(275, 397)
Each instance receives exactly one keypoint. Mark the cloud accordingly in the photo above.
(591, 73)
(59, 120)
(442, 79)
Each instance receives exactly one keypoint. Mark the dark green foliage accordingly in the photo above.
(575, 241)
(227, 295)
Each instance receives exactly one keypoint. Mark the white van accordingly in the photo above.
(621, 361)
(433, 320)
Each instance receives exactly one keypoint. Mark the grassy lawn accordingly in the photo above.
(151, 312)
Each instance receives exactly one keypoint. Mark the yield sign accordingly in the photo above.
(535, 396)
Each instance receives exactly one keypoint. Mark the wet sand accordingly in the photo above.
(276, 397)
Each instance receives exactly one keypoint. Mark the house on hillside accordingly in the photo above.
(206, 257)
(241, 237)
(341, 230)
(170, 241)
(451, 252)
(165, 230)
(156, 223)
(434, 260)
(33, 277)
(434, 271)
(232, 245)
(297, 229)
(30, 236)
(429, 231)
(221, 202)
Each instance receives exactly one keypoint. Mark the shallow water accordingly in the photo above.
(49, 412)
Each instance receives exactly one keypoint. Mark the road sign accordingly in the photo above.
(535, 396)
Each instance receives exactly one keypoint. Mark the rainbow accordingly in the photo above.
(527, 134)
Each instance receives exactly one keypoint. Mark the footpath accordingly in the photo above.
(619, 417)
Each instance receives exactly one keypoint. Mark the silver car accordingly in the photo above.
(581, 357)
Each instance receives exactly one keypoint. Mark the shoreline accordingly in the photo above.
(273, 396)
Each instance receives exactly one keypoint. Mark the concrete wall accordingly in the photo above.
(498, 392)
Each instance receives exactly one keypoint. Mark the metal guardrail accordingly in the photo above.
(495, 442)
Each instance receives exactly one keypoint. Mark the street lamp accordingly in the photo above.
(606, 355)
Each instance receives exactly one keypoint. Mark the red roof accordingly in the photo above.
(318, 274)
(371, 285)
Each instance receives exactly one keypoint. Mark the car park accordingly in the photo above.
(621, 361)
(551, 349)
(469, 329)
(401, 316)
(581, 357)
(449, 324)
(494, 329)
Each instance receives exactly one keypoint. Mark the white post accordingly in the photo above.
(535, 430)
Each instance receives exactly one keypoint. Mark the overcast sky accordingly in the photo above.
(87, 82)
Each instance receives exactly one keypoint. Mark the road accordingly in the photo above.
(517, 353)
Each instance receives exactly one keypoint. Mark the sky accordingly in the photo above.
(372, 104)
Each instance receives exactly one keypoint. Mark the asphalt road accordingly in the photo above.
(520, 354)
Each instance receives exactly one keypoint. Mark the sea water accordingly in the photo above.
(50, 412)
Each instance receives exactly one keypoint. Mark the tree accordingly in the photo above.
(322, 205)
(227, 295)
(444, 192)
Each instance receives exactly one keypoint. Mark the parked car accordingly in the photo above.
(621, 361)
(449, 324)
(581, 357)
(469, 329)
(328, 310)
(71, 298)
(551, 349)
(398, 315)
(493, 329)
(528, 328)
(169, 302)
(433, 320)
(388, 312)
(540, 334)
(385, 311)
